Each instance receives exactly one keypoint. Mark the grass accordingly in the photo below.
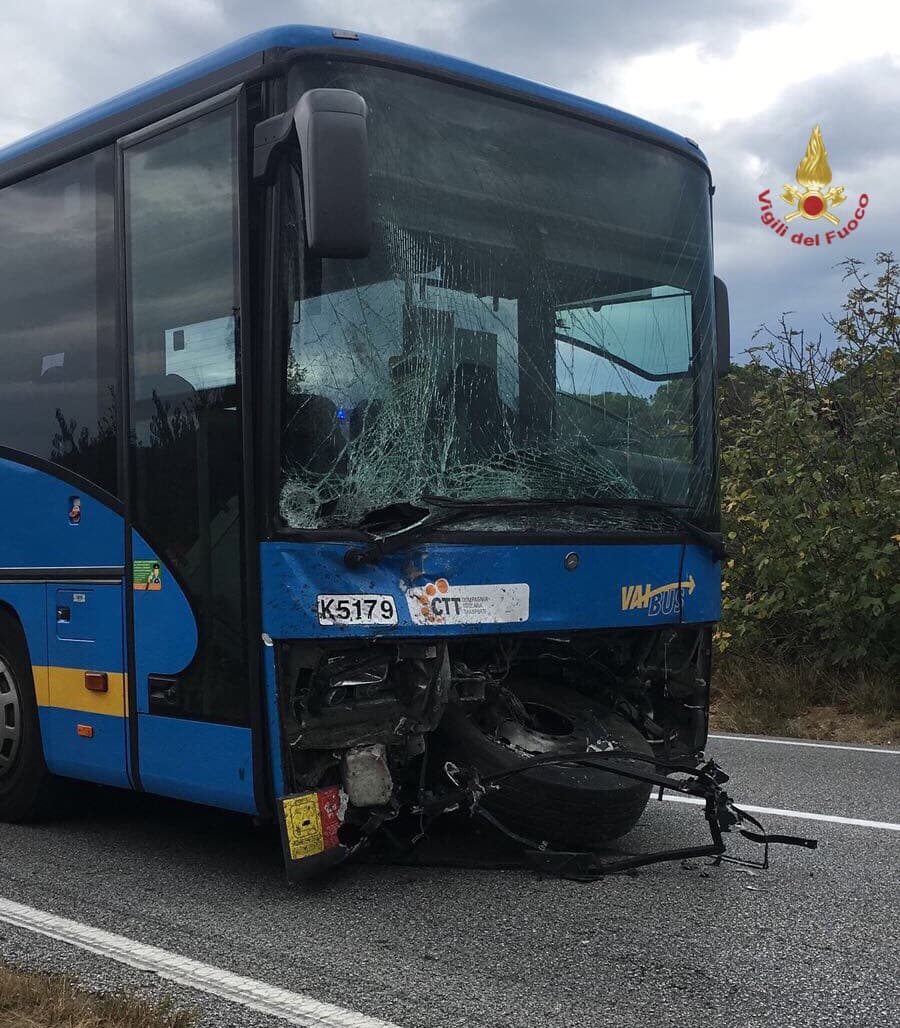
(30, 1000)
(763, 696)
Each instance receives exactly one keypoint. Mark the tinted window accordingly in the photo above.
(57, 297)
(181, 246)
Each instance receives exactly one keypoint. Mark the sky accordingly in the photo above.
(747, 79)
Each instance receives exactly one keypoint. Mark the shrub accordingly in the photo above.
(811, 486)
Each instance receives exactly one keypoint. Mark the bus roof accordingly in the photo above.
(248, 56)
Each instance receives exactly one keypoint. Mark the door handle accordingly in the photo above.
(64, 615)
(163, 692)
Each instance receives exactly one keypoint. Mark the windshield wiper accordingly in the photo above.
(444, 510)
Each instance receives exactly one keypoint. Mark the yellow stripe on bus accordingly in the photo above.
(64, 687)
(42, 685)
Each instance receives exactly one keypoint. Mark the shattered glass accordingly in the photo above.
(518, 331)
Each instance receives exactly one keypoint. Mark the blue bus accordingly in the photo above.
(357, 427)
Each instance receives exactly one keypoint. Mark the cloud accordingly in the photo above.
(568, 42)
(798, 43)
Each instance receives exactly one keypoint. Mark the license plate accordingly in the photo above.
(356, 609)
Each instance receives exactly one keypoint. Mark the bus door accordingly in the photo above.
(192, 666)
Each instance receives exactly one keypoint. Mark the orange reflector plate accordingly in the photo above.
(85, 731)
(96, 681)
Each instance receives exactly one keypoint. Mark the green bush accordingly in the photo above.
(811, 487)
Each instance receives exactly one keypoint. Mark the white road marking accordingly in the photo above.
(293, 1007)
(804, 815)
(803, 742)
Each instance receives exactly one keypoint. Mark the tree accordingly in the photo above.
(811, 485)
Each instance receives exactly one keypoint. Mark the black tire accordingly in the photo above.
(568, 807)
(25, 782)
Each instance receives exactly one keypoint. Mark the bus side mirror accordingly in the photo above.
(334, 154)
(723, 328)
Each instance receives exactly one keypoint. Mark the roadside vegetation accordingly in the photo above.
(809, 642)
(47, 1001)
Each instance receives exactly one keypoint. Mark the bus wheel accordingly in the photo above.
(24, 779)
(566, 806)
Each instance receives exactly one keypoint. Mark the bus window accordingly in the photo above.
(58, 363)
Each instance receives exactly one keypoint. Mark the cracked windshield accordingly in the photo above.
(533, 321)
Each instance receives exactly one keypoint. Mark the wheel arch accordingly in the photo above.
(13, 634)
(12, 628)
(26, 785)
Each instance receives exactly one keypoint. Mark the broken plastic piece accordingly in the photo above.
(367, 777)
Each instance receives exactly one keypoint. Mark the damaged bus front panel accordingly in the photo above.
(504, 640)
(494, 524)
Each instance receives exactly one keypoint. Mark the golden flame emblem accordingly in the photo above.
(813, 175)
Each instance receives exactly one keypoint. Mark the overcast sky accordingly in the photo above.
(747, 79)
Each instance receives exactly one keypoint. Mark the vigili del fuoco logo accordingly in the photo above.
(812, 200)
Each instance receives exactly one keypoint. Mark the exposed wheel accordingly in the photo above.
(24, 779)
(569, 807)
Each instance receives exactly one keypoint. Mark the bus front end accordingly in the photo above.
(495, 521)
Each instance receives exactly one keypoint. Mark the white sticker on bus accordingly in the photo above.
(441, 603)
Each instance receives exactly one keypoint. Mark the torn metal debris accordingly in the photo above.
(466, 789)
(706, 782)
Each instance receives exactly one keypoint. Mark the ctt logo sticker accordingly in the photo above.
(442, 603)
(662, 599)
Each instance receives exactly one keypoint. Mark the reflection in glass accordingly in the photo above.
(58, 368)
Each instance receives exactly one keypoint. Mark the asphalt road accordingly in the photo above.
(812, 941)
